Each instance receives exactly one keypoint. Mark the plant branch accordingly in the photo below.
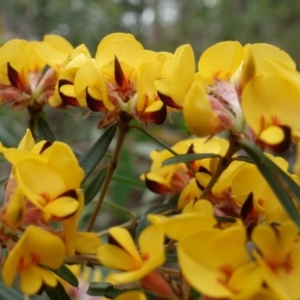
(123, 130)
(223, 164)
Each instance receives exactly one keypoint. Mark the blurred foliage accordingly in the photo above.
(158, 24)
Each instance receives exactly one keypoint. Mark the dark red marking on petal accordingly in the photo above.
(156, 187)
(14, 77)
(69, 193)
(204, 170)
(46, 145)
(247, 207)
(94, 104)
(67, 100)
(191, 149)
(119, 74)
(167, 100)
(157, 117)
(285, 144)
(112, 241)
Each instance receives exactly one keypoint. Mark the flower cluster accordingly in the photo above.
(233, 231)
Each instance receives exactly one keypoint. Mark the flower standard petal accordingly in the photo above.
(220, 61)
(39, 182)
(264, 107)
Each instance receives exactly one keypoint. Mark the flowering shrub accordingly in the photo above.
(228, 228)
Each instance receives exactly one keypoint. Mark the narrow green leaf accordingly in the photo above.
(225, 219)
(244, 158)
(109, 291)
(44, 130)
(136, 183)
(65, 273)
(143, 223)
(94, 186)
(103, 289)
(57, 293)
(188, 158)
(284, 187)
(89, 160)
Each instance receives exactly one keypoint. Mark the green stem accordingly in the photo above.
(123, 130)
(154, 139)
(222, 166)
(162, 144)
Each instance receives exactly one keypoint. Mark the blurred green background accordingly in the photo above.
(158, 25)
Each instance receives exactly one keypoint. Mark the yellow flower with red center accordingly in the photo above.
(23, 79)
(49, 177)
(119, 81)
(121, 253)
(35, 249)
(277, 253)
(178, 178)
(216, 263)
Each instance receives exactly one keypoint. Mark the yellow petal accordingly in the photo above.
(31, 281)
(124, 239)
(264, 107)
(44, 186)
(60, 207)
(114, 257)
(220, 61)
(197, 112)
(183, 73)
(87, 243)
(27, 142)
(273, 135)
(131, 295)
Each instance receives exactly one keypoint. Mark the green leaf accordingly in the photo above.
(89, 160)
(65, 273)
(284, 187)
(103, 289)
(244, 158)
(143, 223)
(188, 158)
(44, 130)
(225, 219)
(57, 293)
(109, 291)
(94, 186)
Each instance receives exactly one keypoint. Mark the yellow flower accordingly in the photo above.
(177, 77)
(122, 254)
(272, 112)
(35, 249)
(132, 295)
(278, 255)
(193, 218)
(21, 75)
(216, 263)
(118, 82)
(47, 177)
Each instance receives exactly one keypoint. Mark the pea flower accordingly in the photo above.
(231, 92)
(35, 249)
(216, 263)
(178, 178)
(278, 255)
(120, 82)
(23, 78)
(48, 178)
(120, 253)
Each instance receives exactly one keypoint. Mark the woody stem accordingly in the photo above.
(123, 130)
